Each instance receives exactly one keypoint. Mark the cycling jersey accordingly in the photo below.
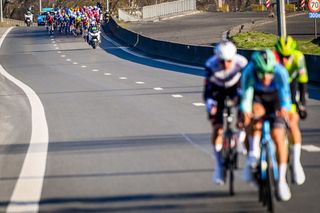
(296, 67)
(251, 84)
(220, 83)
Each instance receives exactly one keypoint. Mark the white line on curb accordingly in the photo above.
(126, 49)
(27, 191)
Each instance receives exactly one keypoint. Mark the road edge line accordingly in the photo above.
(27, 192)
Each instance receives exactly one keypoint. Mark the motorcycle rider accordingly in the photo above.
(28, 16)
(92, 30)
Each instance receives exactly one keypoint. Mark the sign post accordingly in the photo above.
(314, 8)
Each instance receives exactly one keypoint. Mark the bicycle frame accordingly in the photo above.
(267, 146)
(229, 151)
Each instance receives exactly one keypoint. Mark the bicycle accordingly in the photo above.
(267, 174)
(229, 148)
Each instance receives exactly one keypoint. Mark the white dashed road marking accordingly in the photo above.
(68, 59)
(123, 78)
(57, 48)
(177, 96)
(107, 73)
(198, 104)
(59, 52)
(95, 70)
(310, 148)
(63, 56)
(158, 88)
(75, 63)
(140, 82)
(83, 66)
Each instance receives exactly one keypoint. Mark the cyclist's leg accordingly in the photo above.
(295, 138)
(278, 135)
(216, 140)
(254, 142)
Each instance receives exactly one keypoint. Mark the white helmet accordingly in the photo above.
(225, 50)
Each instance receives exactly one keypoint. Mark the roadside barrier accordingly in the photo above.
(14, 22)
(189, 54)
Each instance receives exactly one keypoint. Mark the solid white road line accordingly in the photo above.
(126, 49)
(27, 191)
(310, 148)
(177, 96)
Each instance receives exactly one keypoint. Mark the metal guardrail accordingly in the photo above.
(168, 8)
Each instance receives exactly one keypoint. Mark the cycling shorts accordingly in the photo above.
(271, 104)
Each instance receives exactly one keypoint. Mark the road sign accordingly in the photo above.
(314, 6)
(314, 15)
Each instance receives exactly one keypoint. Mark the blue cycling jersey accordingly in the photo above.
(251, 83)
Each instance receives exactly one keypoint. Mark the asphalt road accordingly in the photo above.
(117, 142)
(207, 28)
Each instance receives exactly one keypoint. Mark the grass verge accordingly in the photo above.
(259, 40)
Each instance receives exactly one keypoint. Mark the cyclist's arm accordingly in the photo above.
(247, 89)
(282, 79)
(207, 94)
(302, 78)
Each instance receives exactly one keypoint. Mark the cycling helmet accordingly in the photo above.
(286, 46)
(225, 50)
(264, 62)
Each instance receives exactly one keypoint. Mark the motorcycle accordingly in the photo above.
(28, 20)
(94, 39)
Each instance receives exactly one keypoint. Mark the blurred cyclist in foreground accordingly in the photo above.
(294, 62)
(266, 92)
(223, 73)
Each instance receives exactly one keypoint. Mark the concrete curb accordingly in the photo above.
(251, 25)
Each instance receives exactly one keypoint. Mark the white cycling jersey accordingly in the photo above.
(225, 78)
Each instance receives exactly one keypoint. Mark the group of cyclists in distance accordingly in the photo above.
(75, 21)
(266, 85)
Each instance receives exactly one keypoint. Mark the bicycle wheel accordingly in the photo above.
(270, 189)
(232, 167)
(231, 178)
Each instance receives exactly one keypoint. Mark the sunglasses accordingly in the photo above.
(262, 75)
(222, 61)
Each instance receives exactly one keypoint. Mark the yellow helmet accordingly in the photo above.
(286, 46)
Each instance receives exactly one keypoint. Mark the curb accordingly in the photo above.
(251, 25)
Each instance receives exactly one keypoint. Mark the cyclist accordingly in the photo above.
(266, 92)
(293, 60)
(223, 73)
